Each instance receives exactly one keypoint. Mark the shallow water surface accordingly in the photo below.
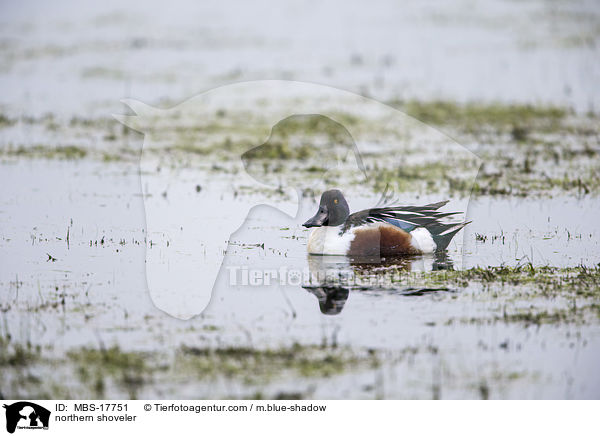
(434, 339)
(95, 245)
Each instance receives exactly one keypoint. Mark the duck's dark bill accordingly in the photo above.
(320, 219)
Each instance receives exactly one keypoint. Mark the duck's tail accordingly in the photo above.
(445, 233)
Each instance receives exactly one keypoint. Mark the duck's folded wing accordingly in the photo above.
(406, 217)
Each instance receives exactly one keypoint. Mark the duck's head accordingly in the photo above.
(333, 210)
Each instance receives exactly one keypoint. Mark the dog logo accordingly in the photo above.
(199, 155)
(26, 415)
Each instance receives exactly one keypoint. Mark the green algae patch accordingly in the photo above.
(472, 117)
(18, 365)
(130, 371)
(114, 372)
(281, 150)
(581, 280)
(113, 359)
(70, 152)
(16, 355)
(300, 137)
(254, 366)
(436, 176)
(6, 121)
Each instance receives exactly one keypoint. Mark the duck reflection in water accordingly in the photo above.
(333, 277)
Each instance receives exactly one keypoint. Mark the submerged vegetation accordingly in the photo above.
(113, 372)
(524, 293)
(516, 119)
(580, 280)
(525, 150)
(38, 151)
(255, 366)
(98, 367)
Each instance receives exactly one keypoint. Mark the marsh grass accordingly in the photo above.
(255, 366)
(527, 150)
(479, 117)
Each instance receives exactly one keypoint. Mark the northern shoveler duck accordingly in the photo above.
(385, 231)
